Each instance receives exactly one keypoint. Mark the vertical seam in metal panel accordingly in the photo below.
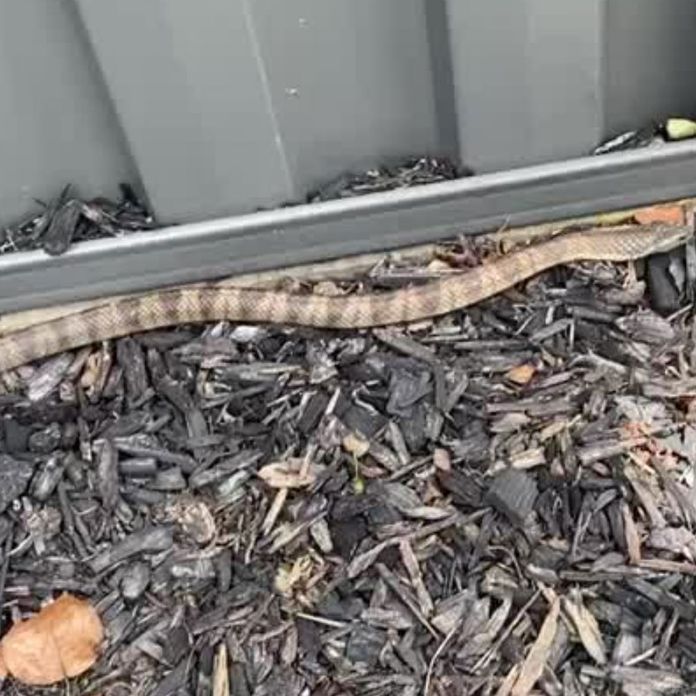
(603, 67)
(437, 27)
(265, 86)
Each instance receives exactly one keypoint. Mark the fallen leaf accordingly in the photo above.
(3, 669)
(666, 214)
(521, 374)
(61, 641)
(533, 665)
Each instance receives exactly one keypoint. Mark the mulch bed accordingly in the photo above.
(500, 501)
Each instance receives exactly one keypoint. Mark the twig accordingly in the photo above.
(436, 655)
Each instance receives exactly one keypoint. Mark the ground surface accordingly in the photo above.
(497, 502)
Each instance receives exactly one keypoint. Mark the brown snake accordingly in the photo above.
(203, 304)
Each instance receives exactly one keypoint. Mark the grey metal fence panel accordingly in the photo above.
(190, 88)
(351, 82)
(528, 79)
(220, 107)
(56, 122)
(230, 104)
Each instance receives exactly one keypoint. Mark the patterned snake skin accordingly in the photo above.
(203, 304)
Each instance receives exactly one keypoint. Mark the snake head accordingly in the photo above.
(667, 238)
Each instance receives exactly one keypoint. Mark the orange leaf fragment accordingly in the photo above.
(665, 214)
(61, 641)
(521, 374)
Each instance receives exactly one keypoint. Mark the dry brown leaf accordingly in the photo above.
(533, 665)
(3, 668)
(665, 214)
(522, 374)
(61, 641)
(587, 628)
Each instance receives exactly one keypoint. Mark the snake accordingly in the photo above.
(212, 303)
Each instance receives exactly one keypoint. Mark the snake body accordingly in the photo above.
(168, 308)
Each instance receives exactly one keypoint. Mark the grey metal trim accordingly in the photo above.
(307, 233)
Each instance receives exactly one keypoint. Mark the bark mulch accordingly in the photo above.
(500, 501)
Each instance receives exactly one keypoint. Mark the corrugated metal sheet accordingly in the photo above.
(221, 107)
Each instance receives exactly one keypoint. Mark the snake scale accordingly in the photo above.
(167, 308)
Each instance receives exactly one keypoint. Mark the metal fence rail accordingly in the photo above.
(218, 108)
(303, 234)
